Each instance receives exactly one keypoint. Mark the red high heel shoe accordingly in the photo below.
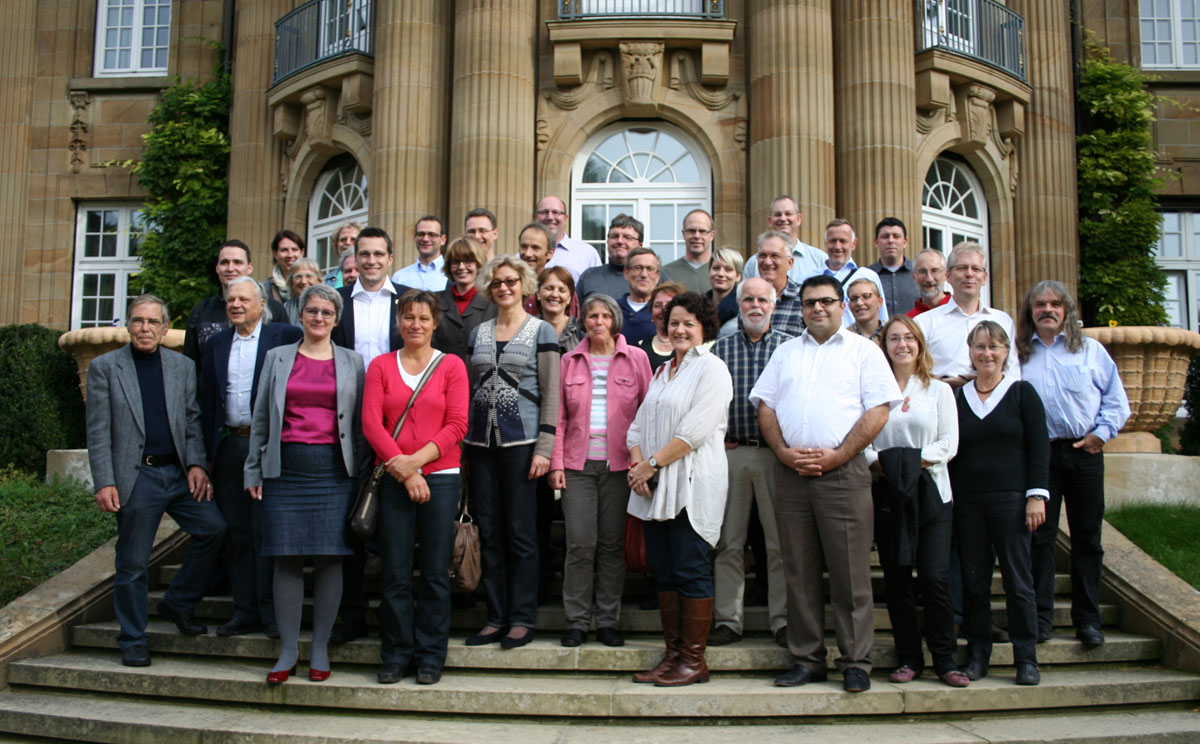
(318, 675)
(278, 678)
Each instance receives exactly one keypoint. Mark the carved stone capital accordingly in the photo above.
(641, 63)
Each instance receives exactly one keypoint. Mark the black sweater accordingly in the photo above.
(1008, 450)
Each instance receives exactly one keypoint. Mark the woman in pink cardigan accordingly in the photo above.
(419, 499)
(603, 382)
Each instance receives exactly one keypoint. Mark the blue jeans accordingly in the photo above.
(504, 501)
(678, 557)
(421, 628)
(159, 490)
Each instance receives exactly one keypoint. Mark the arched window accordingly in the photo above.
(651, 171)
(954, 209)
(340, 196)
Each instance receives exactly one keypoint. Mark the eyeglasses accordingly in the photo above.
(548, 212)
(316, 312)
(642, 269)
(151, 323)
(463, 261)
(994, 348)
(427, 235)
(695, 231)
(965, 269)
(861, 297)
(826, 302)
(510, 283)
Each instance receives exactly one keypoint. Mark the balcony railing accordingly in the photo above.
(981, 29)
(571, 9)
(322, 29)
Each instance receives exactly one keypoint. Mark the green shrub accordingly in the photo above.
(41, 407)
(44, 528)
(1189, 437)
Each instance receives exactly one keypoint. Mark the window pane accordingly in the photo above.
(662, 221)
(594, 225)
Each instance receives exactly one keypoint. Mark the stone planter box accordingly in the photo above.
(88, 343)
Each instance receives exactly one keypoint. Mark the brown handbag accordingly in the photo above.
(365, 515)
(465, 566)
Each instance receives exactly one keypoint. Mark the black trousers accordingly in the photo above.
(996, 521)
(250, 574)
(933, 576)
(1077, 478)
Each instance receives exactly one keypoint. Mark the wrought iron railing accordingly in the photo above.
(570, 9)
(322, 29)
(982, 29)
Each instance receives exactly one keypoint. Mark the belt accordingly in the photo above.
(747, 442)
(238, 431)
(159, 461)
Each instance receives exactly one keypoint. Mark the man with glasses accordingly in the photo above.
(624, 234)
(481, 224)
(691, 270)
(146, 453)
(946, 328)
(774, 261)
(785, 217)
(426, 272)
(642, 270)
(573, 255)
(822, 398)
(929, 274)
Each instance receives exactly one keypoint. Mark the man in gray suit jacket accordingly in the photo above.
(143, 430)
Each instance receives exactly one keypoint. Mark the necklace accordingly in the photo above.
(993, 387)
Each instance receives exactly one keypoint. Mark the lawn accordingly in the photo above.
(1170, 533)
(44, 529)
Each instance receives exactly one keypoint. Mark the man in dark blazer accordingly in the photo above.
(147, 457)
(229, 375)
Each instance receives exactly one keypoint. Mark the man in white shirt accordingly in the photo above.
(947, 326)
(840, 242)
(573, 255)
(807, 260)
(822, 398)
(429, 236)
(481, 224)
(692, 269)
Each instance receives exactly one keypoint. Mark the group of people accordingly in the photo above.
(852, 406)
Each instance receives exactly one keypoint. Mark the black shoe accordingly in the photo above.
(1028, 674)
(347, 632)
(856, 680)
(237, 627)
(135, 656)
(781, 637)
(428, 675)
(573, 637)
(610, 637)
(390, 674)
(723, 635)
(1043, 636)
(799, 675)
(186, 623)
(483, 639)
(271, 630)
(975, 669)
(1090, 636)
(508, 641)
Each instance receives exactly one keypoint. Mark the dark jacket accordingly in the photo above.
(343, 332)
(454, 329)
(908, 493)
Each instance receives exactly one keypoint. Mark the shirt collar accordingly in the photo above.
(838, 336)
(253, 334)
(387, 287)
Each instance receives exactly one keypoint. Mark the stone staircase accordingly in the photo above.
(207, 689)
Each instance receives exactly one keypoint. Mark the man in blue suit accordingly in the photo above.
(233, 359)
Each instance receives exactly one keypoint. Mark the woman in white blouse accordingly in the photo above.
(679, 481)
(913, 505)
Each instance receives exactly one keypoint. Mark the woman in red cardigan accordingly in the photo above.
(419, 499)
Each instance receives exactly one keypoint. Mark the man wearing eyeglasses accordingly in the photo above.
(426, 272)
(642, 270)
(786, 218)
(822, 398)
(573, 255)
(947, 326)
(691, 270)
(774, 261)
(481, 224)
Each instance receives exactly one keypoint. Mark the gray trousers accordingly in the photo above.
(594, 511)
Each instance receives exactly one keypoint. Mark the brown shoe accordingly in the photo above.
(668, 612)
(691, 667)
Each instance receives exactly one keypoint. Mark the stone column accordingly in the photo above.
(790, 44)
(494, 101)
(255, 156)
(1046, 203)
(409, 121)
(876, 118)
(16, 102)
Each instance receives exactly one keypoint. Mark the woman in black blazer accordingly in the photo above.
(1000, 480)
(462, 308)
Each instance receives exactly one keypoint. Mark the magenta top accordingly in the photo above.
(310, 408)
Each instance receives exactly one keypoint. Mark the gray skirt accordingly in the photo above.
(307, 507)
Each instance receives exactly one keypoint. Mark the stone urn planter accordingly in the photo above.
(1153, 362)
(88, 343)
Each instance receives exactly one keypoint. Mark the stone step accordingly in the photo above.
(147, 720)
(594, 695)
(552, 618)
(640, 651)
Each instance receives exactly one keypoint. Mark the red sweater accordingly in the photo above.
(439, 415)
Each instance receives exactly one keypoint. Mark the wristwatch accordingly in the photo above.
(653, 462)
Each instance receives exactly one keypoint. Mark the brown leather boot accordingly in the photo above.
(691, 668)
(668, 611)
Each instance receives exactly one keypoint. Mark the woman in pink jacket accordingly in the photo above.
(603, 383)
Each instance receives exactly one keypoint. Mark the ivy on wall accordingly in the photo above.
(1119, 281)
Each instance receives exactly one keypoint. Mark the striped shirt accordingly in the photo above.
(597, 446)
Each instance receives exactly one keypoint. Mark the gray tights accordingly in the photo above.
(289, 605)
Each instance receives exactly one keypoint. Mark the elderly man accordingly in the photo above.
(228, 386)
(751, 471)
(481, 224)
(429, 236)
(864, 300)
(691, 270)
(807, 260)
(573, 255)
(208, 316)
(642, 270)
(774, 261)
(894, 270)
(822, 398)
(1085, 407)
(840, 242)
(146, 452)
(929, 274)
(946, 328)
(624, 234)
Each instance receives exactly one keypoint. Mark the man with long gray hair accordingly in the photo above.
(1085, 407)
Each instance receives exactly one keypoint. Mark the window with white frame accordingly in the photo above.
(132, 37)
(340, 196)
(1170, 31)
(107, 239)
(1178, 253)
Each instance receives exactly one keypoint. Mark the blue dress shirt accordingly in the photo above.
(1081, 390)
